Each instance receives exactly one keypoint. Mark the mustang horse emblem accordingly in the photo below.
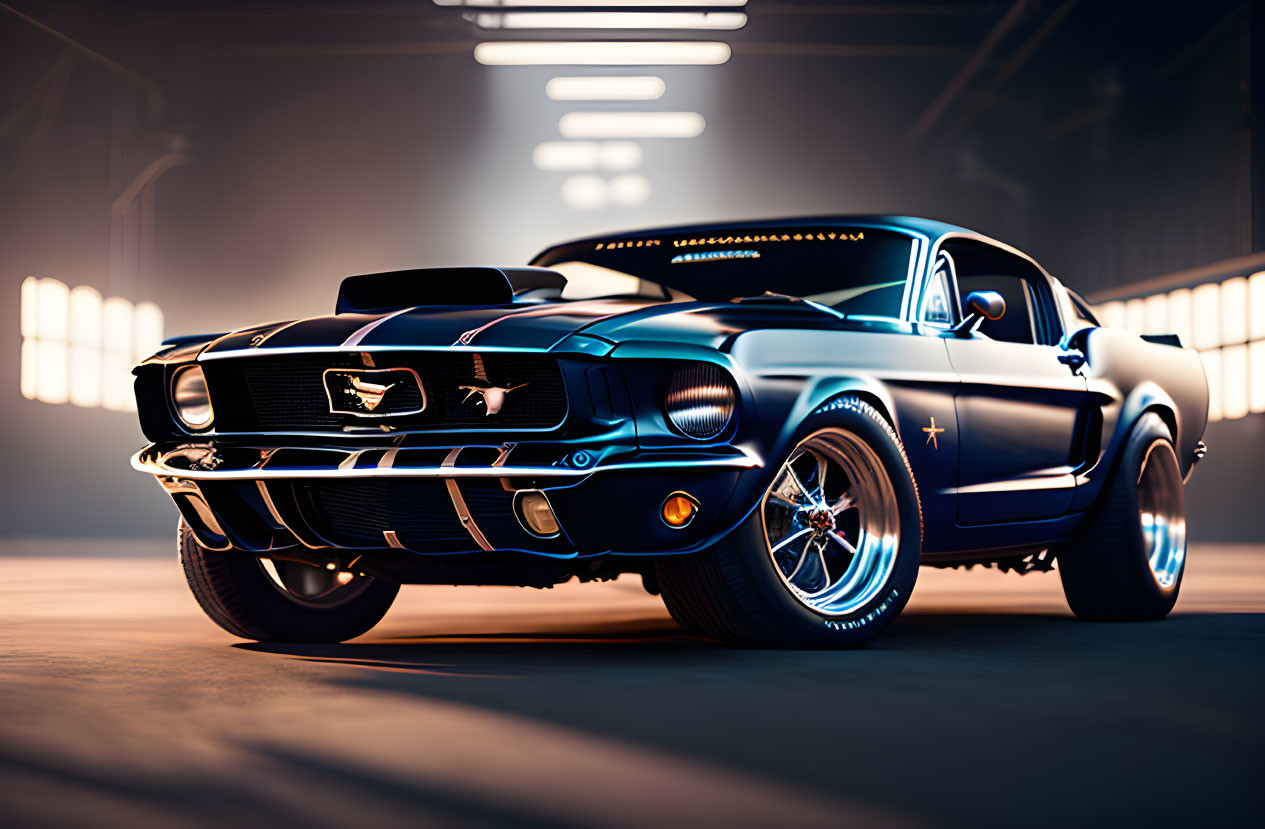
(370, 394)
(492, 397)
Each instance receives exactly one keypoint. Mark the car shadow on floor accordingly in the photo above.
(947, 698)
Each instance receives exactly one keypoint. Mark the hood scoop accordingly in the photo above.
(377, 293)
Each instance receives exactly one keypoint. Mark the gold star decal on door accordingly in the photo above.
(932, 431)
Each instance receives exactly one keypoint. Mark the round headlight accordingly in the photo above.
(700, 399)
(193, 403)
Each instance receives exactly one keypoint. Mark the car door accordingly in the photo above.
(1020, 411)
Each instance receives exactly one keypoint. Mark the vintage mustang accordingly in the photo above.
(773, 423)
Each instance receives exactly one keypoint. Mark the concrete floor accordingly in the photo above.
(986, 704)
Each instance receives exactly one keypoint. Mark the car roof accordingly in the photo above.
(927, 227)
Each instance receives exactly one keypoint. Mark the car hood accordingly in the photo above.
(538, 327)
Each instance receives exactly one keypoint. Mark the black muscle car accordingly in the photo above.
(774, 423)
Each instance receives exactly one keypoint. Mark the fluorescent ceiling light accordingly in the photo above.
(586, 155)
(631, 124)
(591, 4)
(610, 20)
(601, 53)
(633, 88)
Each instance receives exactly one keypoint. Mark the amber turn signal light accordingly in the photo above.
(679, 510)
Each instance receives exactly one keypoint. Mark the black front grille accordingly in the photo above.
(288, 393)
(358, 513)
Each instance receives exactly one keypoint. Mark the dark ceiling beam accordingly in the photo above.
(313, 50)
(873, 9)
(1012, 64)
(152, 93)
(845, 50)
(968, 71)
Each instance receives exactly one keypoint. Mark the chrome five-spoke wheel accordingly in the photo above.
(1162, 513)
(831, 522)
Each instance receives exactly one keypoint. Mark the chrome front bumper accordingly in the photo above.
(205, 462)
(260, 499)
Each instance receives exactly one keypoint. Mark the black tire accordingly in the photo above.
(237, 594)
(1106, 572)
(733, 591)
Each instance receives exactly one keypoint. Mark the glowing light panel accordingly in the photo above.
(1212, 368)
(1256, 305)
(610, 20)
(1206, 316)
(1256, 381)
(558, 4)
(631, 124)
(631, 88)
(80, 348)
(586, 155)
(1234, 390)
(1234, 311)
(599, 53)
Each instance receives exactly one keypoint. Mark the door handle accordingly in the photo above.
(1073, 360)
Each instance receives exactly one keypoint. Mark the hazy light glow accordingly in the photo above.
(628, 190)
(1156, 314)
(611, 20)
(1111, 314)
(631, 124)
(1234, 311)
(1179, 314)
(1206, 316)
(602, 53)
(1212, 369)
(1256, 305)
(631, 88)
(116, 355)
(1256, 367)
(584, 192)
(1135, 316)
(147, 330)
(85, 346)
(586, 155)
(1234, 392)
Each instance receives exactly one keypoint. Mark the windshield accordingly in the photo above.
(856, 271)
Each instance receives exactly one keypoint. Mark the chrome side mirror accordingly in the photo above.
(980, 305)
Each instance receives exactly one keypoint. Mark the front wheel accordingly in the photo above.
(828, 557)
(272, 600)
(1128, 563)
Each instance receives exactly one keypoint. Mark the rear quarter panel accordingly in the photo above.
(1128, 376)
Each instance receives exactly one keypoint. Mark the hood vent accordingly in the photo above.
(377, 293)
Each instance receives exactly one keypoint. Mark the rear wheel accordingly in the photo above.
(1129, 561)
(829, 556)
(272, 600)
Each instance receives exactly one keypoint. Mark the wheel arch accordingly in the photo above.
(1147, 397)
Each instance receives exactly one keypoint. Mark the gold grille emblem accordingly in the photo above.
(351, 391)
(492, 397)
(370, 394)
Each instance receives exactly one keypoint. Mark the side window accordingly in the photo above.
(936, 307)
(1030, 317)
